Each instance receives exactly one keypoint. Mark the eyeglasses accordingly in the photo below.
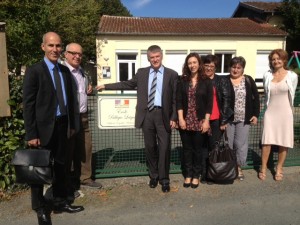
(209, 67)
(75, 53)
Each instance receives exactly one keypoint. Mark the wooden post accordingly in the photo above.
(4, 86)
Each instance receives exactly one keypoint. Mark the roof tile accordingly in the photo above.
(262, 6)
(115, 25)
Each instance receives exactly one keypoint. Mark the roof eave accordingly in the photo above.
(192, 34)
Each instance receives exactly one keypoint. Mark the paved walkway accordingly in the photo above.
(129, 201)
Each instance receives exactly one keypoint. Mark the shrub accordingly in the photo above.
(11, 132)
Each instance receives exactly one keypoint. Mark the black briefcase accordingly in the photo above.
(33, 166)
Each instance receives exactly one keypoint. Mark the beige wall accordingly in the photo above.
(4, 90)
(243, 46)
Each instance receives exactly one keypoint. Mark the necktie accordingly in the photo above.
(151, 95)
(59, 91)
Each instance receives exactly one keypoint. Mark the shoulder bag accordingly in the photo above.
(222, 165)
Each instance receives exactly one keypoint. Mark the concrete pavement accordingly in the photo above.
(129, 201)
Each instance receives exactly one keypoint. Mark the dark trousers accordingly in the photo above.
(210, 141)
(79, 163)
(192, 142)
(216, 133)
(157, 146)
(57, 145)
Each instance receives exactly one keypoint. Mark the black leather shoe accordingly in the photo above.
(153, 183)
(67, 208)
(165, 188)
(43, 216)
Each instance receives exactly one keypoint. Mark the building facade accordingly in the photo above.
(122, 43)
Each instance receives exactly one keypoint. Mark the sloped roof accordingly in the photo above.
(117, 25)
(267, 7)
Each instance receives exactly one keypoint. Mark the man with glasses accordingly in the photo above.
(80, 145)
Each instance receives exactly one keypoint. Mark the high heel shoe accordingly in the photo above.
(187, 182)
(186, 185)
(195, 185)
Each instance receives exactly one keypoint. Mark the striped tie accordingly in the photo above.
(152, 93)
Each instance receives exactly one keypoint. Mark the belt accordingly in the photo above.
(157, 107)
(61, 119)
(84, 114)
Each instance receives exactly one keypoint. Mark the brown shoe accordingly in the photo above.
(91, 184)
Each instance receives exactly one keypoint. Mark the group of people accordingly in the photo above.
(203, 105)
(209, 104)
(55, 116)
(199, 103)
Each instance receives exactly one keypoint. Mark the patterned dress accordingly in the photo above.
(192, 122)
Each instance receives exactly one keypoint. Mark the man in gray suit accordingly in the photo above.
(155, 113)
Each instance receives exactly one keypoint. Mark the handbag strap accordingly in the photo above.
(225, 135)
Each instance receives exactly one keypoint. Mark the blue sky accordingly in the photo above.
(184, 8)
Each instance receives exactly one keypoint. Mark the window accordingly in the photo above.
(201, 53)
(262, 65)
(175, 59)
(224, 59)
(126, 67)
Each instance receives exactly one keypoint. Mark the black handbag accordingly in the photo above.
(222, 165)
(33, 166)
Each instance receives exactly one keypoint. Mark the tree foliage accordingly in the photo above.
(290, 10)
(11, 132)
(26, 22)
(75, 21)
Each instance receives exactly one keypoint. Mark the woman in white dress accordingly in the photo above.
(280, 86)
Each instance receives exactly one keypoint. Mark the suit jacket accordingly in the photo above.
(140, 81)
(204, 97)
(40, 101)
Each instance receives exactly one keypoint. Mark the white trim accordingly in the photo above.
(126, 51)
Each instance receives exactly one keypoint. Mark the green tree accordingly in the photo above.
(26, 21)
(75, 20)
(290, 10)
(113, 8)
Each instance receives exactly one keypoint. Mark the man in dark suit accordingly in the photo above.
(155, 113)
(48, 117)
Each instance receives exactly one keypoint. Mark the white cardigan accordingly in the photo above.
(292, 81)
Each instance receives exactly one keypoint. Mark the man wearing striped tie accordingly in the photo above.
(155, 113)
